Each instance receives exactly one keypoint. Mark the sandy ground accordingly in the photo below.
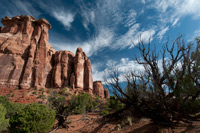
(93, 123)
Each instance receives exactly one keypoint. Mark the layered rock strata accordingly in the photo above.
(27, 60)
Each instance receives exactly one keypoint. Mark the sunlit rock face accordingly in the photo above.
(27, 60)
(99, 90)
(25, 54)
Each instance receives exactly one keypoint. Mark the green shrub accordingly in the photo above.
(3, 121)
(8, 105)
(58, 103)
(82, 103)
(41, 89)
(114, 103)
(33, 118)
(63, 91)
(11, 108)
(104, 112)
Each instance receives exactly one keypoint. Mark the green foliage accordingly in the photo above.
(63, 91)
(104, 112)
(57, 102)
(3, 121)
(11, 108)
(82, 103)
(41, 89)
(33, 118)
(115, 104)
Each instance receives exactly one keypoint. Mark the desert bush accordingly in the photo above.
(63, 92)
(33, 118)
(114, 103)
(82, 103)
(11, 108)
(3, 121)
(168, 89)
(41, 89)
(104, 112)
(58, 103)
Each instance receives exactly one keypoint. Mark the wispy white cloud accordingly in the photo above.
(59, 11)
(175, 21)
(176, 9)
(131, 37)
(131, 19)
(91, 46)
(143, 1)
(64, 17)
(123, 66)
(109, 19)
(162, 32)
(18, 7)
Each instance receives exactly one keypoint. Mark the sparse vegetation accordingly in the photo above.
(23, 94)
(58, 103)
(13, 95)
(41, 89)
(104, 112)
(114, 103)
(34, 92)
(168, 90)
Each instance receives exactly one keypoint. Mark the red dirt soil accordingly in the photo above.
(94, 123)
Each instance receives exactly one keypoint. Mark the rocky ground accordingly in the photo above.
(94, 123)
(36, 95)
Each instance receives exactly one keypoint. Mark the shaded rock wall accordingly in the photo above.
(27, 60)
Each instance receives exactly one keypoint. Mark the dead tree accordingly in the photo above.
(169, 87)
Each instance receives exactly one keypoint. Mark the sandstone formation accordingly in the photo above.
(62, 68)
(27, 60)
(106, 93)
(99, 90)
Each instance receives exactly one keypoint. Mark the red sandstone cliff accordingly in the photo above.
(27, 60)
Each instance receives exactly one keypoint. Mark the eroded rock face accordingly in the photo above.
(25, 41)
(88, 80)
(79, 62)
(63, 68)
(98, 89)
(27, 60)
(106, 93)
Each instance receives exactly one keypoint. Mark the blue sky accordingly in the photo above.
(108, 30)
